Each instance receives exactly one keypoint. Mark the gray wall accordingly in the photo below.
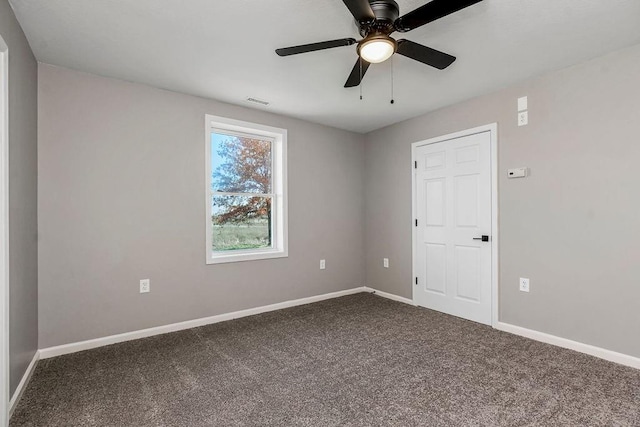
(121, 175)
(572, 227)
(23, 250)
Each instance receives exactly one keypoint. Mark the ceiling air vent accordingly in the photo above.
(258, 101)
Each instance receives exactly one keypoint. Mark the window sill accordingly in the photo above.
(246, 256)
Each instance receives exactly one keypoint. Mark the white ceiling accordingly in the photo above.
(225, 50)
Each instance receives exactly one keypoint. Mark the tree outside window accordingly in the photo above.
(242, 192)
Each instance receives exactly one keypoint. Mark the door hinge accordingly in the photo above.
(415, 164)
(416, 280)
(416, 222)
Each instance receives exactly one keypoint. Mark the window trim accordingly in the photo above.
(278, 137)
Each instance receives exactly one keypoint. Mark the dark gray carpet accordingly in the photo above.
(360, 360)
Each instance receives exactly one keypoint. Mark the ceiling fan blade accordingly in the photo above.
(431, 11)
(311, 47)
(357, 73)
(361, 10)
(424, 54)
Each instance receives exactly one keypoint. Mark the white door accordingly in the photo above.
(452, 200)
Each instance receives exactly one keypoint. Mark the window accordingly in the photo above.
(246, 191)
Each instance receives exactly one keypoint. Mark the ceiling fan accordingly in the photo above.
(376, 21)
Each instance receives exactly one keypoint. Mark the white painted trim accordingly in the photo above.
(495, 218)
(612, 356)
(591, 350)
(389, 296)
(47, 353)
(4, 234)
(280, 205)
(493, 132)
(22, 386)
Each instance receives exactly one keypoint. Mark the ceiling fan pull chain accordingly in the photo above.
(391, 61)
(360, 62)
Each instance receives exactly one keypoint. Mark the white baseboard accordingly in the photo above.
(46, 353)
(60, 350)
(388, 295)
(612, 356)
(22, 385)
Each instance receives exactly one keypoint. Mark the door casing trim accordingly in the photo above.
(493, 133)
(4, 233)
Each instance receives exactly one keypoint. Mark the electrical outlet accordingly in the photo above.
(145, 286)
(523, 118)
(385, 262)
(524, 284)
(323, 264)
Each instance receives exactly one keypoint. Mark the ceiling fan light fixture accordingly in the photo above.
(377, 48)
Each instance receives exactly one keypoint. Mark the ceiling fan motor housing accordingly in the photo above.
(386, 12)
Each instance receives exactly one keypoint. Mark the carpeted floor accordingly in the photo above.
(359, 360)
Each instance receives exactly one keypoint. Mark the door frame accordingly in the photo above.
(4, 233)
(493, 133)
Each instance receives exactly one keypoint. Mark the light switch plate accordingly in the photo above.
(522, 104)
(385, 262)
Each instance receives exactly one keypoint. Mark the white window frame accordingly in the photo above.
(279, 237)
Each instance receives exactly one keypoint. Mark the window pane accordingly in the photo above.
(240, 165)
(240, 222)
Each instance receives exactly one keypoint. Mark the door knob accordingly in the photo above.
(484, 238)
